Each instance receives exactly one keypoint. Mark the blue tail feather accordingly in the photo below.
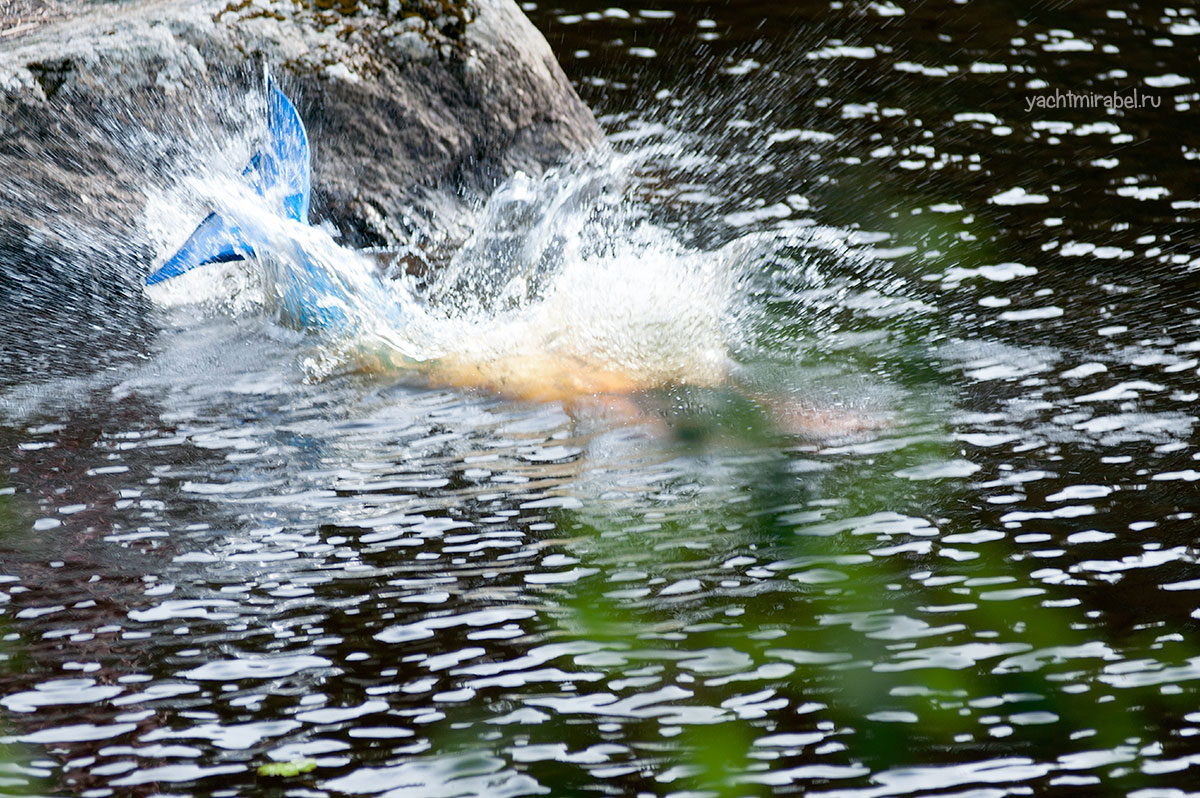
(283, 164)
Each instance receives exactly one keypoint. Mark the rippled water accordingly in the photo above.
(933, 533)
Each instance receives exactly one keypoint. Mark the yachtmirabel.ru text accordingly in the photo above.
(1092, 99)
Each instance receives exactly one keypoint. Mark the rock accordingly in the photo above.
(415, 109)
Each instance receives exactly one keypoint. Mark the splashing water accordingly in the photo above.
(565, 288)
(591, 279)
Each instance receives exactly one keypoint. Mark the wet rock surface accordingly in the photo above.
(414, 109)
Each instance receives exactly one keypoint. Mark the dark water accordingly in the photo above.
(213, 560)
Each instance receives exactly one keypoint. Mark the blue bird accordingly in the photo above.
(311, 292)
(283, 162)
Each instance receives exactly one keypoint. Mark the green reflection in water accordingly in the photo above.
(16, 778)
(1010, 665)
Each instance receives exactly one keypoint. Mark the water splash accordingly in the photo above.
(565, 288)
(612, 274)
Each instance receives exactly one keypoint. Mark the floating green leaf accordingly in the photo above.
(286, 770)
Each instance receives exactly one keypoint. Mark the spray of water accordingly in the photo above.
(593, 278)
(565, 287)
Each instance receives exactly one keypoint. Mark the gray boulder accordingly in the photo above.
(415, 109)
